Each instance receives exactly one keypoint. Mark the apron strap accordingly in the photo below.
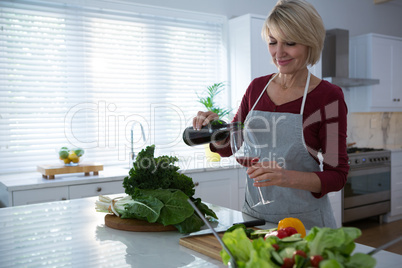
(262, 93)
(305, 92)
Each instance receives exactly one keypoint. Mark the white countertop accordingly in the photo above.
(72, 234)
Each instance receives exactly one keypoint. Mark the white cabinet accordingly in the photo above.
(396, 187)
(50, 194)
(94, 189)
(219, 187)
(377, 57)
(249, 55)
(26, 197)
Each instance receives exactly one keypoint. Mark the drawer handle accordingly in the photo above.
(196, 184)
(99, 189)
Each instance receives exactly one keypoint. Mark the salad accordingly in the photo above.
(322, 247)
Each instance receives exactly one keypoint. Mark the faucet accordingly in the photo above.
(132, 154)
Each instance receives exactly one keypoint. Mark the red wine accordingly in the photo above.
(247, 161)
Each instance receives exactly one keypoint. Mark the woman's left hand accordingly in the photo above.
(268, 173)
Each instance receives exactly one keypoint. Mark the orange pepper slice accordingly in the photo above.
(293, 222)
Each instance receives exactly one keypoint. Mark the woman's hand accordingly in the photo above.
(267, 173)
(203, 119)
(270, 173)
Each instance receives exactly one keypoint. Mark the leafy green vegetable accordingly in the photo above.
(159, 193)
(334, 245)
(341, 240)
(146, 208)
(149, 172)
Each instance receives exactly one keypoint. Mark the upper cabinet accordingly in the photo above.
(380, 57)
(249, 55)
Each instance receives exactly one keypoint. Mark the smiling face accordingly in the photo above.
(289, 57)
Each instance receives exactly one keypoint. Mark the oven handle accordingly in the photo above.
(370, 170)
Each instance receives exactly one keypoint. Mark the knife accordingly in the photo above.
(223, 228)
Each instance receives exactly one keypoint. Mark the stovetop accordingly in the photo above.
(368, 157)
(352, 150)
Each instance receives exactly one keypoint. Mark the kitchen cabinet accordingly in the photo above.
(219, 187)
(26, 197)
(396, 187)
(94, 189)
(30, 188)
(249, 55)
(377, 57)
(49, 194)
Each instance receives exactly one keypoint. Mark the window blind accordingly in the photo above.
(84, 76)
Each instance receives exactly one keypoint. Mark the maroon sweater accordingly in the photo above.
(324, 122)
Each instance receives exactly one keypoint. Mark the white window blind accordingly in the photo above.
(82, 76)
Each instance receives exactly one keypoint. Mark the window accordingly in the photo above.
(83, 76)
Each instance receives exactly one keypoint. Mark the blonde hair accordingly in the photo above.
(296, 21)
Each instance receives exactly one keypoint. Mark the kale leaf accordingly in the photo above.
(159, 193)
(153, 173)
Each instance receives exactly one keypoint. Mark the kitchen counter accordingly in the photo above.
(34, 180)
(72, 234)
(29, 188)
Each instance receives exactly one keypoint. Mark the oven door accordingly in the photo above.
(367, 192)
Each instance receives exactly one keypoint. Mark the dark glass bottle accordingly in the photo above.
(217, 130)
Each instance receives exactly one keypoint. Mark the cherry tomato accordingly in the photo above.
(288, 263)
(300, 252)
(275, 246)
(282, 233)
(315, 260)
(290, 230)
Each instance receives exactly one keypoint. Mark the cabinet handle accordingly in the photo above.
(99, 189)
(196, 184)
(63, 198)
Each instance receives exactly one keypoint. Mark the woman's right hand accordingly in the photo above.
(203, 119)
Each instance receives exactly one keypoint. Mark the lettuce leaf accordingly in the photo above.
(340, 240)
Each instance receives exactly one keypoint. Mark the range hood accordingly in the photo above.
(335, 61)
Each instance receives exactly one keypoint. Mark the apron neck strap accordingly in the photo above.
(304, 94)
(265, 88)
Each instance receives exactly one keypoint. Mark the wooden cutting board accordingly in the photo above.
(135, 225)
(49, 171)
(204, 244)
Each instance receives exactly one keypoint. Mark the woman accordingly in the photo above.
(295, 115)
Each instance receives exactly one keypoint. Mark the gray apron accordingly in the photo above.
(280, 136)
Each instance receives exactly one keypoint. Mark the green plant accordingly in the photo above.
(209, 100)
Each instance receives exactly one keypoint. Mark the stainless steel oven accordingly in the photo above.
(367, 191)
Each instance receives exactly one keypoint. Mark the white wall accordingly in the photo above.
(358, 16)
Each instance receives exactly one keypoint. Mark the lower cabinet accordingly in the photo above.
(51, 194)
(396, 187)
(219, 187)
(94, 189)
(26, 197)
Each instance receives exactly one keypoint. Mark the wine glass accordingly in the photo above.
(246, 152)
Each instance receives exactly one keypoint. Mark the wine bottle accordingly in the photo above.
(216, 130)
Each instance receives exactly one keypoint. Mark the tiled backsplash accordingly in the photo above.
(377, 130)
